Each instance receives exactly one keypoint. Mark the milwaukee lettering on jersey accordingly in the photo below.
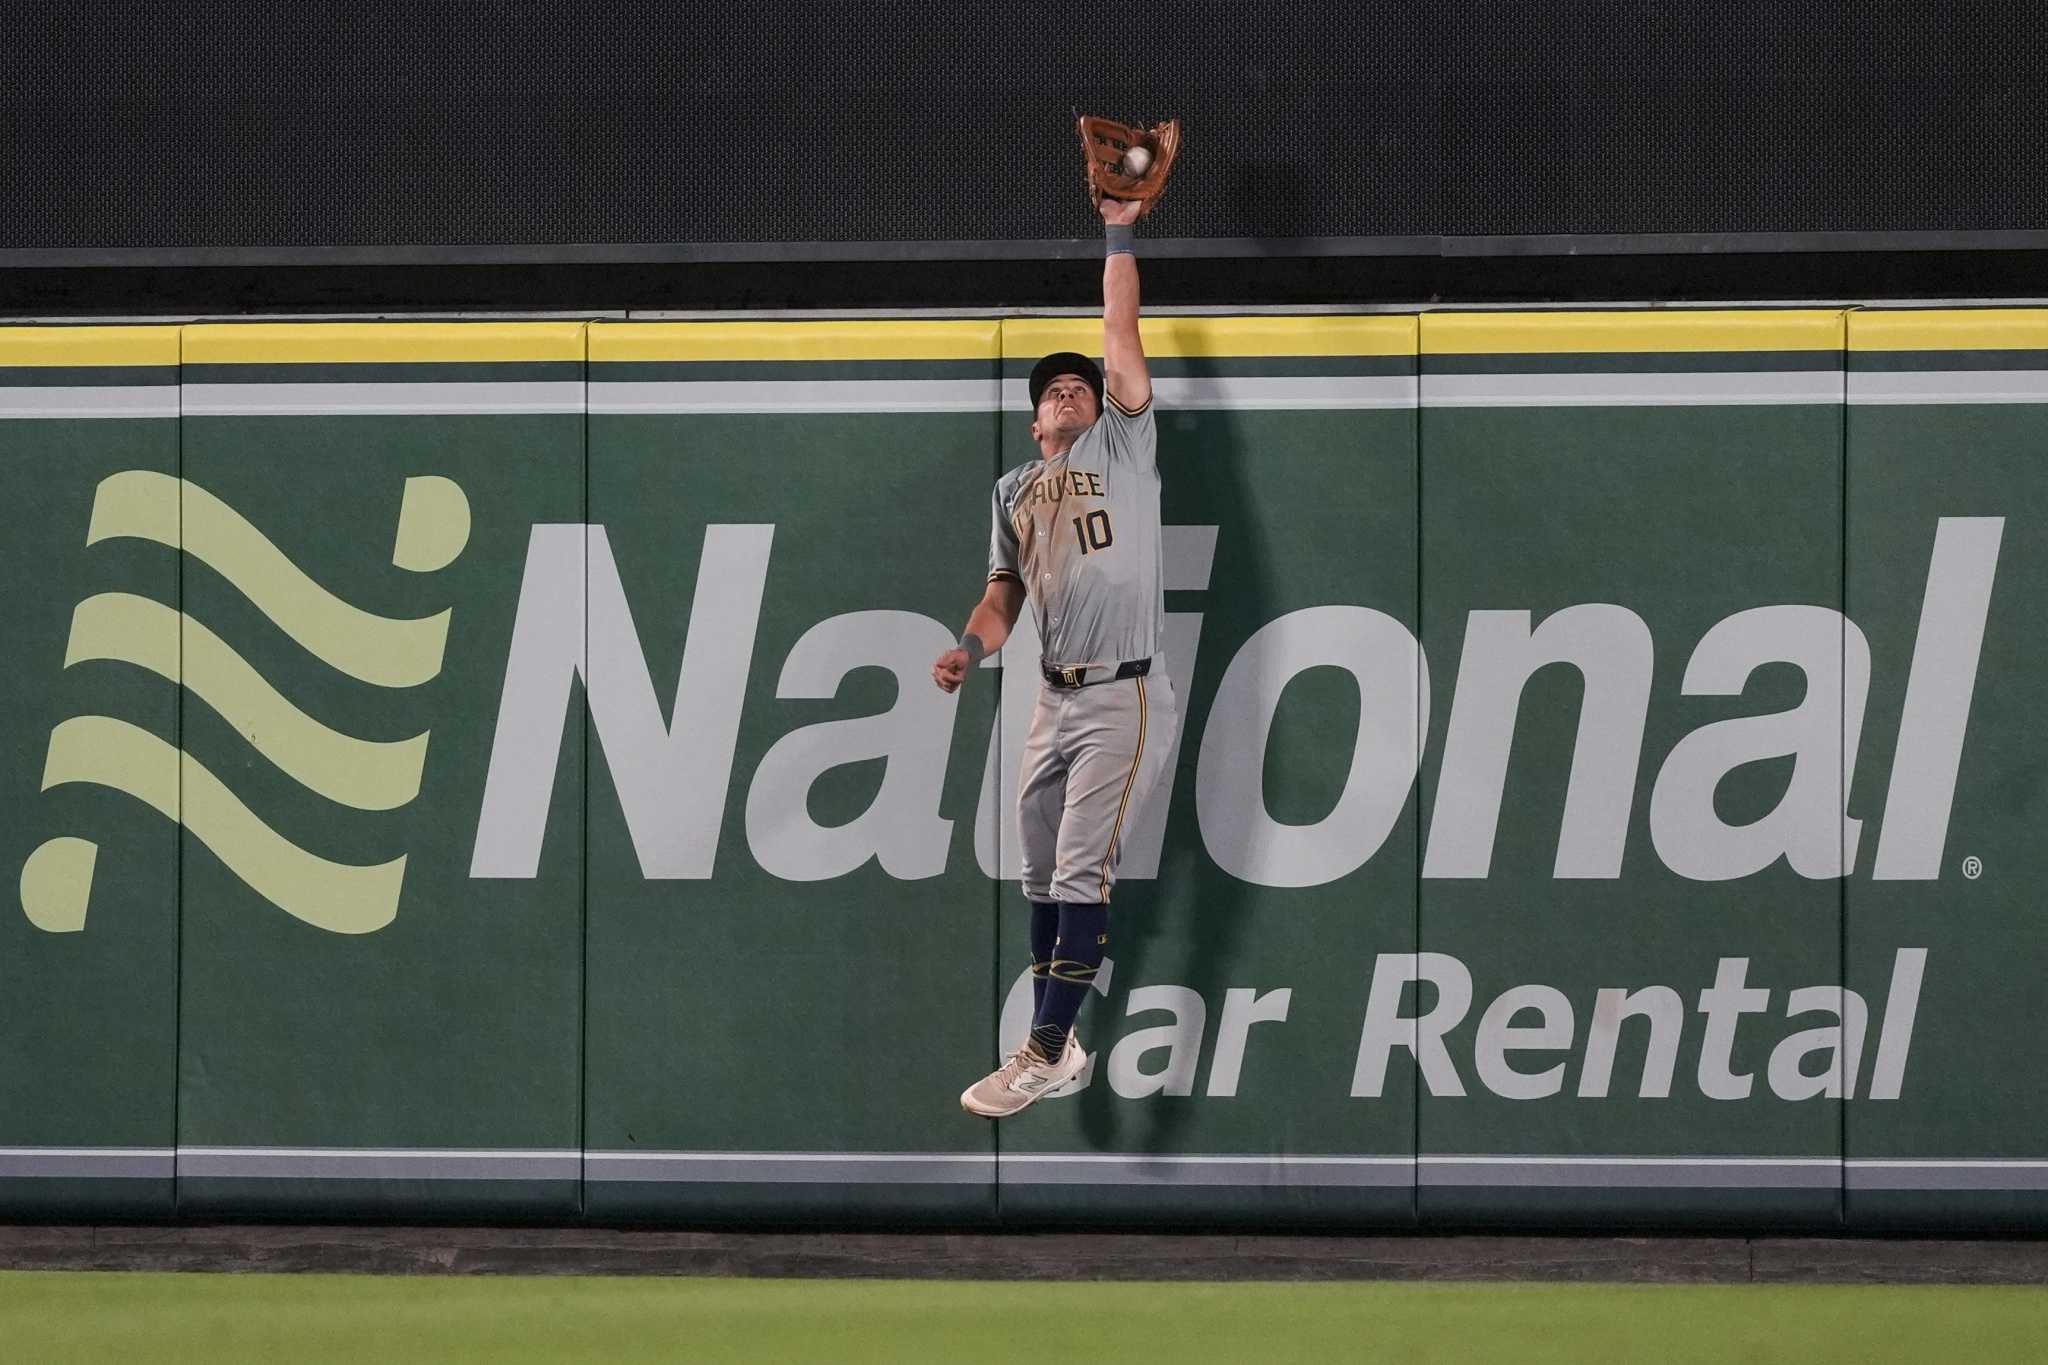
(1054, 488)
(1081, 532)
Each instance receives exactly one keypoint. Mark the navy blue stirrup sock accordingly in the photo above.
(1083, 940)
(1045, 931)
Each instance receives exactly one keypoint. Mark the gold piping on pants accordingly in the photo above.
(1109, 855)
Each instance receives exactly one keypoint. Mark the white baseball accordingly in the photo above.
(1136, 160)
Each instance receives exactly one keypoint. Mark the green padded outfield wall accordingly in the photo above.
(1948, 566)
(1253, 901)
(362, 1025)
(789, 941)
(491, 770)
(89, 965)
(1627, 521)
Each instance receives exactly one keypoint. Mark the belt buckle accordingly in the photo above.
(1071, 677)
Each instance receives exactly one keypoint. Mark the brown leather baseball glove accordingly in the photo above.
(1107, 143)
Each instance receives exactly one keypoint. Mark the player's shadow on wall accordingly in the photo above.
(1186, 926)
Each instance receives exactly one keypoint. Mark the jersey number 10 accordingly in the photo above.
(1094, 533)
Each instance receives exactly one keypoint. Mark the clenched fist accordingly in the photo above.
(951, 669)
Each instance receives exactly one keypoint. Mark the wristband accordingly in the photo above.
(1118, 237)
(976, 652)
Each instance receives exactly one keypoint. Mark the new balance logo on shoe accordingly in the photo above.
(1021, 1080)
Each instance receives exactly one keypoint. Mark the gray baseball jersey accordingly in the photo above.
(1081, 533)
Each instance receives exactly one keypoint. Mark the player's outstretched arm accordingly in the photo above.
(986, 630)
(1123, 355)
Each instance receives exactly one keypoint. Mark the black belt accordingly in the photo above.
(1079, 677)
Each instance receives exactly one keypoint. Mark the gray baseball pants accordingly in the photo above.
(1092, 757)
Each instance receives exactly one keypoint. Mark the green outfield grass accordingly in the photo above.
(134, 1318)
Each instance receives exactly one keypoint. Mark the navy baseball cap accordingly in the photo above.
(1065, 362)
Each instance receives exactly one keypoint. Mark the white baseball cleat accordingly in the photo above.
(1022, 1079)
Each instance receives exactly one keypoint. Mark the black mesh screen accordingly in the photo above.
(360, 124)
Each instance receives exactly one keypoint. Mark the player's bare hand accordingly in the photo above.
(1119, 212)
(951, 670)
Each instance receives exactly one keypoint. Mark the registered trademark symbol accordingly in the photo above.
(1973, 867)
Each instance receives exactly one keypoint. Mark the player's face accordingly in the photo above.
(1066, 407)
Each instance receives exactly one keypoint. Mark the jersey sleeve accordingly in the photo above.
(1129, 433)
(1002, 540)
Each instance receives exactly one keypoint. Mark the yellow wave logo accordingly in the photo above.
(344, 898)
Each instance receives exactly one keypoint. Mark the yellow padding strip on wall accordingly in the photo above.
(80, 346)
(973, 339)
(1759, 329)
(1950, 329)
(1198, 337)
(1676, 330)
(366, 343)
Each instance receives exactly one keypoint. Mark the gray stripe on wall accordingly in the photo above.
(1251, 392)
(244, 400)
(1261, 1171)
(103, 1163)
(1046, 1168)
(1897, 387)
(1772, 388)
(803, 395)
(1749, 1173)
(1323, 392)
(829, 1168)
(1947, 1175)
(89, 401)
(360, 1163)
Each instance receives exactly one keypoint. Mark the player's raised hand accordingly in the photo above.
(1120, 212)
(951, 670)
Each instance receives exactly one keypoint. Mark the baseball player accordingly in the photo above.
(1077, 532)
